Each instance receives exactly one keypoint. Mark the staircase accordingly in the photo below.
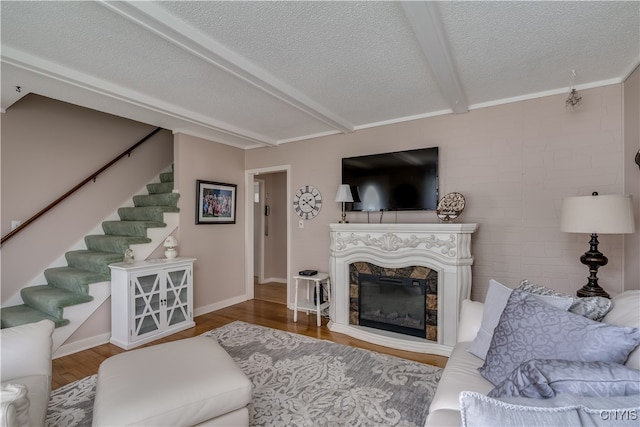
(72, 285)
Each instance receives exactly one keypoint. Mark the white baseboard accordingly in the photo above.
(218, 305)
(274, 280)
(76, 346)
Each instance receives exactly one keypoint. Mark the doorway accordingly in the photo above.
(268, 236)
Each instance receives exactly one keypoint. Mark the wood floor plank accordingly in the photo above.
(273, 292)
(274, 315)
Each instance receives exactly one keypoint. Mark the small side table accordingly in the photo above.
(308, 305)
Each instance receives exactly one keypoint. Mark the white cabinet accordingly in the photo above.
(150, 300)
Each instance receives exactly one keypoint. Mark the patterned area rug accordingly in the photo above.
(299, 381)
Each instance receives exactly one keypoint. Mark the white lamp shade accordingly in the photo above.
(344, 193)
(170, 242)
(601, 214)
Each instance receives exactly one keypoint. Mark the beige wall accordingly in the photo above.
(632, 175)
(514, 163)
(47, 148)
(219, 248)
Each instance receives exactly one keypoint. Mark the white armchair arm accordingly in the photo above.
(470, 320)
(26, 350)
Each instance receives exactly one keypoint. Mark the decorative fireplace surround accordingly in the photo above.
(444, 248)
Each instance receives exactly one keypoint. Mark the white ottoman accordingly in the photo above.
(181, 383)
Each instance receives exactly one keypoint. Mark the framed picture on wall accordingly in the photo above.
(215, 203)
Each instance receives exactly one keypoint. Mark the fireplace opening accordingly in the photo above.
(391, 303)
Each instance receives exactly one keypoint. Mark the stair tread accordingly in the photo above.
(62, 296)
(156, 208)
(97, 261)
(146, 213)
(110, 237)
(22, 314)
(52, 300)
(165, 199)
(160, 187)
(166, 177)
(141, 223)
(71, 279)
(130, 228)
(96, 254)
(116, 236)
(113, 243)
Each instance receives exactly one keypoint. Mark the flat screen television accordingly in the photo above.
(398, 181)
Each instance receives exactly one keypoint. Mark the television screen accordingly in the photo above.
(403, 180)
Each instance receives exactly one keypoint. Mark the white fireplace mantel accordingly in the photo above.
(445, 248)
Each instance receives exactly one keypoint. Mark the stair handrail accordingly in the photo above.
(91, 177)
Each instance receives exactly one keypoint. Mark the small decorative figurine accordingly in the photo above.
(170, 243)
(128, 256)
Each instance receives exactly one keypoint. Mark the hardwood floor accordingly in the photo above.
(273, 315)
(272, 292)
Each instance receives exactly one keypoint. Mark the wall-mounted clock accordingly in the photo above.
(307, 202)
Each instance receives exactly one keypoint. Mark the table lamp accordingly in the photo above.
(607, 214)
(344, 195)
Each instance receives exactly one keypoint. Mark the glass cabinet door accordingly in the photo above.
(177, 296)
(146, 304)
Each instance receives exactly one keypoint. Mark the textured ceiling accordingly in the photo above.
(253, 74)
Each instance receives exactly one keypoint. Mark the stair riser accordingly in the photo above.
(140, 214)
(49, 301)
(22, 314)
(146, 213)
(130, 228)
(166, 177)
(116, 244)
(85, 260)
(156, 200)
(72, 279)
(158, 188)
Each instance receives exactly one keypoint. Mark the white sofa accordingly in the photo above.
(26, 367)
(461, 372)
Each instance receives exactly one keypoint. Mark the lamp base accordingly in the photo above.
(344, 216)
(594, 259)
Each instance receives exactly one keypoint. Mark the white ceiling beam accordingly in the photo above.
(427, 26)
(154, 18)
(60, 73)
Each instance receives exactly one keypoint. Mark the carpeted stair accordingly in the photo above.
(70, 285)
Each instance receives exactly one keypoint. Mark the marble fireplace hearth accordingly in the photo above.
(443, 248)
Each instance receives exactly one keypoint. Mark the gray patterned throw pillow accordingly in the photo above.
(494, 304)
(594, 308)
(545, 378)
(530, 329)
